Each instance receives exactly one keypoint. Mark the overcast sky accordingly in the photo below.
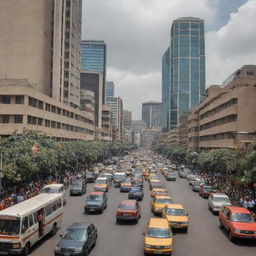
(137, 32)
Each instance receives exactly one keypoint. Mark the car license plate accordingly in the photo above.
(157, 252)
(3, 253)
(66, 254)
(92, 210)
(126, 214)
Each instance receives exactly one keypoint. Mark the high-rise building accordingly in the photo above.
(165, 88)
(116, 106)
(109, 89)
(187, 66)
(93, 58)
(152, 114)
(93, 81)
(40, 42)
(40, 69)
(127, 119)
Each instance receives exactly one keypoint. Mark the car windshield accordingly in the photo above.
(137, 189)
(95, 198)
(242, 217)
(208, 188)
(51, 190)
(119, 176)
(10, 226)
(77, 185)
(160, 192)
(76, 234)
(175, 212)
(164, 201)
(127, 207)
(158, 233)
(101, 182)
(221, 199)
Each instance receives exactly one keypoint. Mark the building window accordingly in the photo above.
(53, 124)
(32, 102)
(40, 104)
(59, 111)
(32, 120)
(18, 119)
(47, 123)
(6, 99)
(19, 99)
(40, 121)
(53, 109)
(6, 119)
(47, 107)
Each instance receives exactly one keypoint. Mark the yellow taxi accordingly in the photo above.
(158, 192)
(159, 202)
(158, 237)
(152, 176)
(101, 184)
(176, 216)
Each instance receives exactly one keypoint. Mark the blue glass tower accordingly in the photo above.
(93, 56)
(187, 66)
(165, 87)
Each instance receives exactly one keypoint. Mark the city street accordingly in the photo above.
(204, 237)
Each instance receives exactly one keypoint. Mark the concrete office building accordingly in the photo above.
(116, 106)
(24, 107)
(87, 102)
(127, 125)
(226, 117)
(166, 88)
(187, 66)
(106, 122)
(40, 46)
(152, 114)
(93, 81)
(40, 41)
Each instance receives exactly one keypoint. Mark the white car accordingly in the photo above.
(216, 201)
(56, 189)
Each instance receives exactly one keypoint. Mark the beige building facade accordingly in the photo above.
(40, 42)
(226, 117)
(24, 107)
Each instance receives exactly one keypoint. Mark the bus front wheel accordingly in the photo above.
(26, 249)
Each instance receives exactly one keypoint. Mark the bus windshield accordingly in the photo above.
(9, 226)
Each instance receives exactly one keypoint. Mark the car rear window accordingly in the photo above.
(164, 201)
(242, 217)
(127, 207)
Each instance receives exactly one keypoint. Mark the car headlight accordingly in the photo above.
(148, 246)
(78, 249)
(16, 246)
(237, 230)
(57, 249)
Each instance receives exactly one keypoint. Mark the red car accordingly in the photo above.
(128, 210)
(238, 221)
(205, 191)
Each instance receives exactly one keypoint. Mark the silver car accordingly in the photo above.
(216, 201)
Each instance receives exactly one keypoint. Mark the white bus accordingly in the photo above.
(23, 224)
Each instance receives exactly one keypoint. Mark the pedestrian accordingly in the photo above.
(40, 219)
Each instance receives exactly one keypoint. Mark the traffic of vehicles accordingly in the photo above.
(21, 228)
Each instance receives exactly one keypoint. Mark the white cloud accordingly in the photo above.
(233, 45)
(137, 33)
(135, 89)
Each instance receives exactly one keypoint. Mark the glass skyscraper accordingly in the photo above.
(165, 87)
(187, 66)
(152, 114)
(93, 56)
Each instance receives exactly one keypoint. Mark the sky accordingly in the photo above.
(137, 33)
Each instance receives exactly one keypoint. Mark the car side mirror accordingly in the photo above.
(61, 236)
(187, 214)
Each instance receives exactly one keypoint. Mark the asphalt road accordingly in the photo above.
(204, 238)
